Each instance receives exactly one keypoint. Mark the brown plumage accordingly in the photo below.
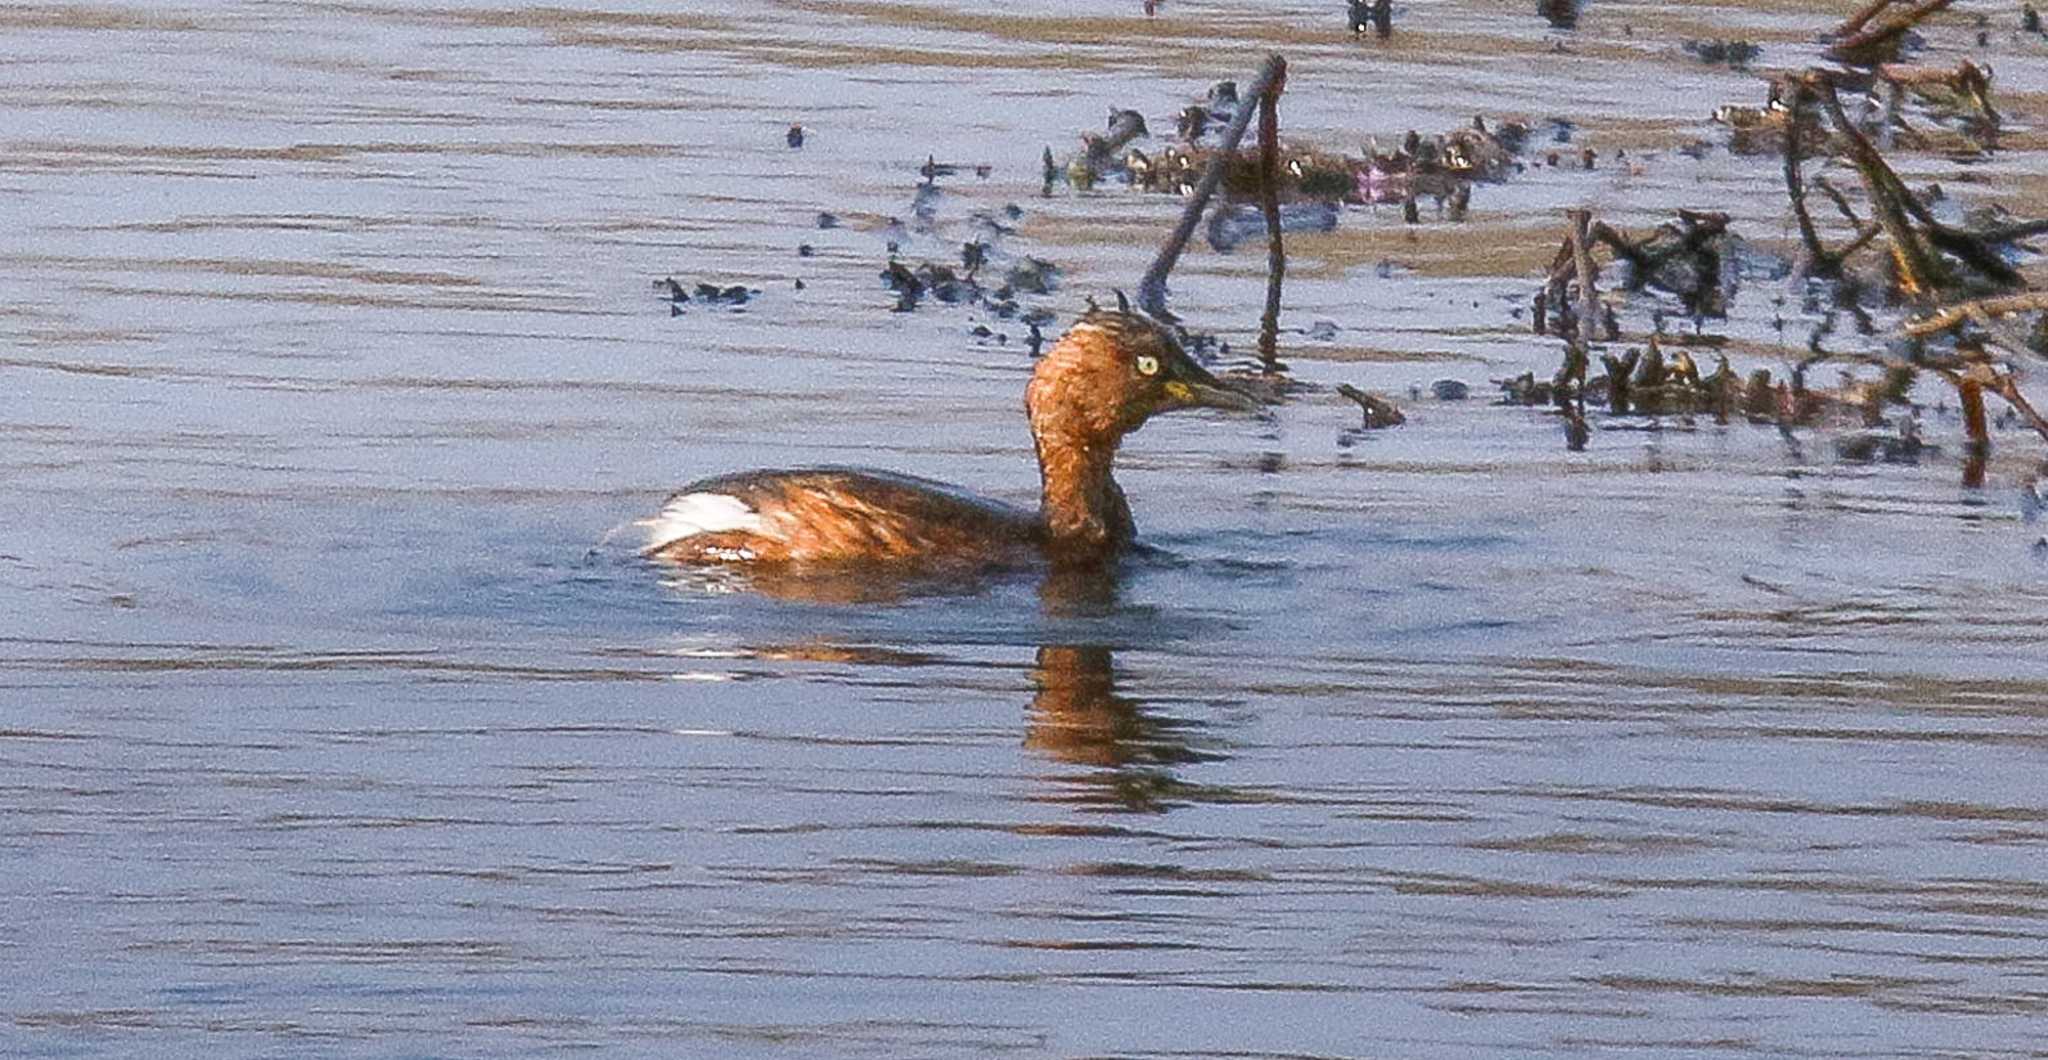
(1110, 372)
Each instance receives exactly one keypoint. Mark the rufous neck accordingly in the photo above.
(1083, 509)
(1076, 426)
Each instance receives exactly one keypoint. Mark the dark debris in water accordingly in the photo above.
(1371, 16)
(1561, 14)
(1734, 54)
(1027, 276)
(1380, 410)
(1694, 258)
(934, 169)
(678, 296)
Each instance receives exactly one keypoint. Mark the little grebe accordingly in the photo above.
(1111, 371)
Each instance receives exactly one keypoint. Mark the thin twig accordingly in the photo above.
(1795, 187)
(1841, 201)
(1269, 201)
(2009, 389)
(1949, 316)
(1864, 235)
(1865, 230)
(1152, 289)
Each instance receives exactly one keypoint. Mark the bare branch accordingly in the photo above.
(1152, 289)
(1269, 201)
(1948, 317)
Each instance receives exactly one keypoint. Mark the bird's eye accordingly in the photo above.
(1148, 364)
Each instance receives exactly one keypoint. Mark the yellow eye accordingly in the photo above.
(1148, 364)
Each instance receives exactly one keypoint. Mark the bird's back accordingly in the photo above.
(837, 515)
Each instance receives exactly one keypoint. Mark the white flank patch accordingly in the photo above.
(690, 514)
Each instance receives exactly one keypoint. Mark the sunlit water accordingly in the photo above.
(331, 353)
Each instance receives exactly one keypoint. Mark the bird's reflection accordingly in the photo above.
(1077, 717)
(830, 585)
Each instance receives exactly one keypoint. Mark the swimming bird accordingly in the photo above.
(1110, 372)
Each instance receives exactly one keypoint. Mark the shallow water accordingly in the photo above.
(331, 351)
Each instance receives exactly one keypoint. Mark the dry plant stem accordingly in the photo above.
(1379, 412)
(2004, 386)
(1859, 35)
(1971, 390)
(1920, 272)
(1949, 316)
(2008, 233)
(1152, 289)
(1822, 261)
(1862, 17)
(1589, 297)
(1269, 201)
(1865, 230)
(1840, 200)
(1863, 236)
(1561, 271)
(2006, 335)
(1975, 253)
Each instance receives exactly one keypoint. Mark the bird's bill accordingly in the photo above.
(1192, 387)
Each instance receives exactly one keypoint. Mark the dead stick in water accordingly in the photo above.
(1859, 37)
(1269, 201)
(1865, 230)
(1152, 289)
(1862, 16)
(1971, 389)
(1379, 412)
(1921, 273)
(1822, 262)
(1589, 297)
(2008, 233)
(2005, 387)
(1949, 316)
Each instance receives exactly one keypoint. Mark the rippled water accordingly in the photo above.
(330, 351)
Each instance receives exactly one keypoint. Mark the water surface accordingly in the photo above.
(331, 351)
